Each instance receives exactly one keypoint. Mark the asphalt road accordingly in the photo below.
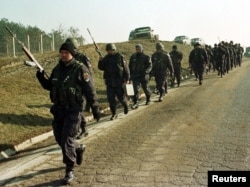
(171, 143)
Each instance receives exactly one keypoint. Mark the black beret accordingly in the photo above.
(68, 47)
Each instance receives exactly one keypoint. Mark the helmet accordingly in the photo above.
(139, 46)
(174, 47)
(73, 41)
(197, 44)
(110, 46)
(159, 46)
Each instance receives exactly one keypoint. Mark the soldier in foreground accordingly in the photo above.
(176, 57)
(140, 66)
(116, 74)
(161, 63)
(67, 84)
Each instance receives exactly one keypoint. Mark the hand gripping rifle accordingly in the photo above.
(33, 62)
(96, 47)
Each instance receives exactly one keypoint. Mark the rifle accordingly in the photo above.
(33, 62)
(96, 47)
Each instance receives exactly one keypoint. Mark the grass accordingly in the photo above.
(24, 111)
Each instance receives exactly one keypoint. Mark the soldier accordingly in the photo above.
(161, 64)
(82, 58)
(140, 66)
(68, 82)
(219, 54)
(116, 74)
(197, 59)
(176, 57)
(209, 58)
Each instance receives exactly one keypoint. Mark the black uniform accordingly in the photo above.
(67, 84)
(82, 58)
(140, 66)
(116, 73)
(176, 57)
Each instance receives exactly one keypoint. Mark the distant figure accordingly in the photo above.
(197, 60)
(116, 74)
(140, 66)
(161, 64)
(176, 57)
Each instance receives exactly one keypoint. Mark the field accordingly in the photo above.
(24, 111)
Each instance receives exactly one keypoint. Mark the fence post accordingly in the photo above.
(14, 47)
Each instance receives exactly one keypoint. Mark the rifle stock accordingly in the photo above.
(96, 47)
(28, 53)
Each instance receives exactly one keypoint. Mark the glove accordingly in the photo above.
(96, 113)
(39, 74)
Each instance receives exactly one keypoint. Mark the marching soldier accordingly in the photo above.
(140, 66)
(176, 57)
(198, 59)
(67, 84)
(116, 74)
(161, 64)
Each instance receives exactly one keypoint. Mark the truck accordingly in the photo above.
(143, 33)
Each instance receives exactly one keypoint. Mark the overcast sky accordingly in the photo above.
(112, 20)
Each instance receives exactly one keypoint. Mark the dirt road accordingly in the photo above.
(170, 143)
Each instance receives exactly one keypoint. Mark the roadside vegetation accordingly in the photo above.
(24, 111)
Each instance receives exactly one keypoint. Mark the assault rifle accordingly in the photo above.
(96, 47)
(33, 62)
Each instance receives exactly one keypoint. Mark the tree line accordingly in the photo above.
(37, 40)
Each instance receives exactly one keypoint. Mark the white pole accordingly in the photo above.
(53, 42)
(14, 47)
(42, 43)
(28, 38)
(7, 47)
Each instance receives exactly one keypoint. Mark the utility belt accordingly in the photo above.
(66, 97)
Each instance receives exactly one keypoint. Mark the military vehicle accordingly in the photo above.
(247, 52)
(185, 40)
(143, 33)
(197, 40)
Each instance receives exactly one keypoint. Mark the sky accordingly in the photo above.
(112, 20)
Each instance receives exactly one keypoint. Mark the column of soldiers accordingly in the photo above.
(222, 58)
(72, 88)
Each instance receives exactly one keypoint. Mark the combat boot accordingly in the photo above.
(125, 105)
(148, 100)
(135, 105)
(69, 176)
(79, 154)
(114, 116)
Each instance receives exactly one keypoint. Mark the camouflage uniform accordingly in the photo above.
(161, 64)
(219, 56)
(197, 59)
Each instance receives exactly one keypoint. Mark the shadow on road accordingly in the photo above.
(22, 178)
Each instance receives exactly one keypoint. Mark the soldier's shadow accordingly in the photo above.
(22, 178)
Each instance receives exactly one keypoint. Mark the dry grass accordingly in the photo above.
(24, 111)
